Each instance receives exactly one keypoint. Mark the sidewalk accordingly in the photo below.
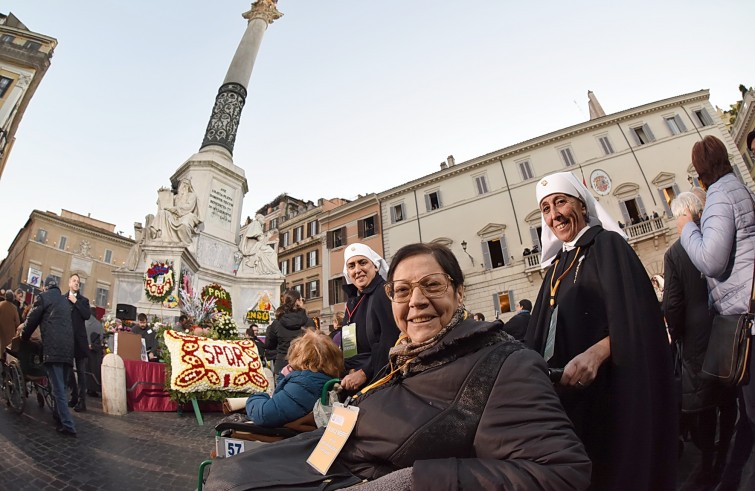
(138, 451)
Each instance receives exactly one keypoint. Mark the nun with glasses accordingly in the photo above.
(369, 329)
(597, 318)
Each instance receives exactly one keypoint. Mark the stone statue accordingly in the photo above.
(177, 224)
(258, 256)
(84, 249)
(135, 253)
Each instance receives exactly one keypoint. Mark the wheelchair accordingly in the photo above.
(231, 437)
(23, 374)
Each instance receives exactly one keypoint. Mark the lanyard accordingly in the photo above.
(554, 288)
(351, 312)
(379, 382)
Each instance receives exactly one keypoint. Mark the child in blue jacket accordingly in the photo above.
(313, 359)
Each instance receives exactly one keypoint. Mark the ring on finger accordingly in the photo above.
(579, 382)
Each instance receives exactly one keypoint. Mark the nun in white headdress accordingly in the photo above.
(566, 183)
(598, 319)
(369, 329)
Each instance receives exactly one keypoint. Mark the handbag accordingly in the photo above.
(729, 347)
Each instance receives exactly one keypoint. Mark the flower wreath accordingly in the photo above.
(158, 281)
(222, 297)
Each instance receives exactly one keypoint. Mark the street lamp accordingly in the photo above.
(464, 247)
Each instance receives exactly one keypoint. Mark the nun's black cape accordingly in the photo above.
(627, 418)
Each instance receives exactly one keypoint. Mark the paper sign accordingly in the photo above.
(339, 428)
(349, 340)
(233, 447)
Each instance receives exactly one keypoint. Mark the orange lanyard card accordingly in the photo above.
(339, 428)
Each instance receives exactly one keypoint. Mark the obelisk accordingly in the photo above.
(209, 251)
(226, 114)
(219, 184)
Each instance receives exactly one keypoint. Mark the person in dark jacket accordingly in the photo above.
(80, 313)
(52, 314)
(290, 321)
(94, 331)
(516, 327)
(253, 333)
(149, 335)
(689, 320)
(464, 408)
(369, 329)
(313, 359)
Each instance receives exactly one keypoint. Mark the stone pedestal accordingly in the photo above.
(113, 385)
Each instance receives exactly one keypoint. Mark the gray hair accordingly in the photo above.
(687, 200)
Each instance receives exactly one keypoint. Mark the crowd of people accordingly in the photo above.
(593, 350)
(591, 386)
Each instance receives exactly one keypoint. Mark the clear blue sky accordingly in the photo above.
(346, 97)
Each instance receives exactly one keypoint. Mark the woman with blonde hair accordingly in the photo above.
(313, 359)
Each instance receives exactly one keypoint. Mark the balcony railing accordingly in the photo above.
(532, 262)
(646, 230)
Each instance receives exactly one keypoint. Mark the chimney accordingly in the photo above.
(451, 161)
(443, 165)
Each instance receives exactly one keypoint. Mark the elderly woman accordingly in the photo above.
(368, 329)
(722, 247)
(464, 406)
(597, 317)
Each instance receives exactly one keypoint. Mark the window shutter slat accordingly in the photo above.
(486, 255)
(640, 205)
(505, 251)
(665, 203)
(625, 213)
(534, 236)
(680, 123)
(648, 132)
(360, 228)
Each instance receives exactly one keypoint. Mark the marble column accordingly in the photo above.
(226, 114)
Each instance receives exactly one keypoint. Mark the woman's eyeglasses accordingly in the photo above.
(432, 286)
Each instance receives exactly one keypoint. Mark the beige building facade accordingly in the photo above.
(300, 246)
(24, 60)
(60, 245)
(742, 126)
(634, 162)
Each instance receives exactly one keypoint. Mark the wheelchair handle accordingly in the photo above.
(324, 400)
(555, 374)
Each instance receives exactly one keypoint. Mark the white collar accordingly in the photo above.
(568, 246)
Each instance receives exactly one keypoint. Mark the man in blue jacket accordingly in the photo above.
(52, 314)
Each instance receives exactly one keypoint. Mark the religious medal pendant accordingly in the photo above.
(579, 263)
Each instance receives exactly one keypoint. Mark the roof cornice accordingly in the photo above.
(81, 227)
(544, 140)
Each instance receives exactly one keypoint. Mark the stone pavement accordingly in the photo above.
(138, 451)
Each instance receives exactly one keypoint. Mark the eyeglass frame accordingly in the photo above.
(416, 284)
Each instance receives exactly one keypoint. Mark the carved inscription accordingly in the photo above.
(220, 205)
